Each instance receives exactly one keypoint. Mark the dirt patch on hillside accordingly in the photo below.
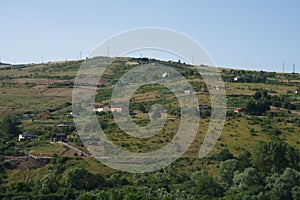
(58, 92)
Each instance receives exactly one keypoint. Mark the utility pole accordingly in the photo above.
(283, 67)
(294, 68)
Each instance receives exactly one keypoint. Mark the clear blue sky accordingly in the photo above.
(240, 34)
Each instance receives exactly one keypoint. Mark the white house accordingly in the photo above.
(164, 75)
(100, 109)
(236, 78)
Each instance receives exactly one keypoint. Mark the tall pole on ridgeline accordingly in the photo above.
(294, 68)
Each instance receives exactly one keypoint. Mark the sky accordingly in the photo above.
(256, 34)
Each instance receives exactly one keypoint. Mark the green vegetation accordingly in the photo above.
(256, 157)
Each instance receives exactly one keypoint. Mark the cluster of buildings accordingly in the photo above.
(45, 114)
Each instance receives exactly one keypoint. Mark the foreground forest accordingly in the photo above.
(256, 157)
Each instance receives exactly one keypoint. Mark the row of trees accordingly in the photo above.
(247, 76)
(261, 102)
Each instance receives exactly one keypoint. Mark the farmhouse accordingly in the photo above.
(117, 108)
(100, 109)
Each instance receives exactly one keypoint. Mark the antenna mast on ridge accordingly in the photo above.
(294, 68)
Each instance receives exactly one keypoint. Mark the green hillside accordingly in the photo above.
(256, 157)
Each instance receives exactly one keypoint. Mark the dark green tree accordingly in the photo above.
(257, 95)
(205, 185)
(142, 108)
(244, 160)
(248, 178)
(9, 126)
(19, 186)
(283, 186)
(81, 179)
(272, 156)
(227, 169)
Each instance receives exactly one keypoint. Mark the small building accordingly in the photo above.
(26, 136)
(66, 124)
(238, 110)
(236, 78)
(117, 108)
(100, 109)
(188, 91)
(297, 91)
(165, 75)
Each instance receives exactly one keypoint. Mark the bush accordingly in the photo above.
(273, 156)
(226, 170)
